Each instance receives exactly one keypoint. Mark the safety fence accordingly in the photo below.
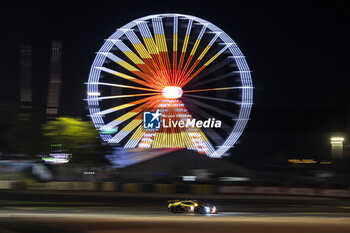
(223, 190)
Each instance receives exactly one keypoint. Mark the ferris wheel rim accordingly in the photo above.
(245, 77)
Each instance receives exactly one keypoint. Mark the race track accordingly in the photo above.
(15, 220)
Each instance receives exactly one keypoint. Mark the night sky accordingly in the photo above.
(296, 53)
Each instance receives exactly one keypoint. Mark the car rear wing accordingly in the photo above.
(172, 201)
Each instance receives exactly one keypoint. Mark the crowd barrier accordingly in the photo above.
(207, 189)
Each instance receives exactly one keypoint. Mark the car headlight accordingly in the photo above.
(207, 209)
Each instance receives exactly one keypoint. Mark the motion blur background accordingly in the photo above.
(296, 143)
(295, 51)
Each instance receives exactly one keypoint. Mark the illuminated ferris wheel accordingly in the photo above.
(181, 67)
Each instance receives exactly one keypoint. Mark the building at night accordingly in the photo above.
(25, 81)
(173, 164)
(54, 79)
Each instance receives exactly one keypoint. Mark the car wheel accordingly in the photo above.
(198, 210)
(172, 209)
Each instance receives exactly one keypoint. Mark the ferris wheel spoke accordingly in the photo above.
(206, 142)
(204, 52)
(129, 53)
(212, 89)
(136, 137)
(184, 46)
(168, 140)
(127, 66)
(124, 76)
(175, 36)
(123, 106)
(118, 121)
(194, 49)
(214, 136)
(140, 63)
(123, 86)
(211, 132)
(126, 130)
(130, 114)
(161, 42)
(206, 114)
(200, 141)
(142, 51)
(227, 45)
(213, 108)
(195, 84)
(152, 47)
(213, 68)
(213, 98)
(185, 135)
(134, 123)
(119, 96)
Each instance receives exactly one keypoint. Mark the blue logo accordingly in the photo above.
(151, 120)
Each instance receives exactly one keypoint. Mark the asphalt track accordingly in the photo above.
(155, 221)
(93, 212)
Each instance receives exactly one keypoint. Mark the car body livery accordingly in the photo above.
(191, 206)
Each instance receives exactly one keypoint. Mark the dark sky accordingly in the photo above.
(296, 53)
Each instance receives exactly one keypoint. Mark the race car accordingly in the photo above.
(191, 206)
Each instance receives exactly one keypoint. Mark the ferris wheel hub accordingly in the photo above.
(172, 92)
